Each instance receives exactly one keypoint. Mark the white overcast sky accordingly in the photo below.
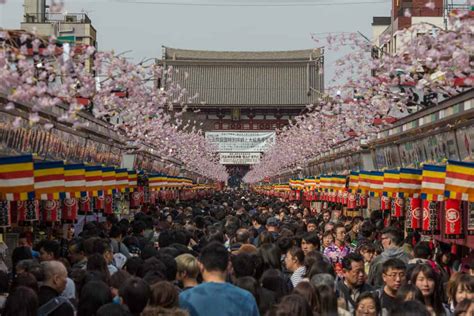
(143, 27)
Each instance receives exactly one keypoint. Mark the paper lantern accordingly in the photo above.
(352, 201)
(430, 223)
(414, 214)
(453, 227)
(99, 203)
(398, 205)
(28, 211)
(85, 205)
(51, 212)
(69, 209)
(385, 203)
(5, 213)
(108, 204)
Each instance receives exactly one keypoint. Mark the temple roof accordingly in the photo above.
(188, 54)
(248, 79)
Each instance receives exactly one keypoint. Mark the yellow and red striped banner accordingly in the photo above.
(75, 180)
(94, 185)
(108, 180)
(432, 183)
(121, 179)
(364, 182)
(49, 180)
(353, 181)
(17, 178)
(132, 180)
(410, 182)
(391, 182)
(376, 183)
(460, 181)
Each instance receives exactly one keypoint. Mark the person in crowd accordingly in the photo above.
(113, 309)
(328, 239)
(338, 250)
(293, 304)
(465, 308)
(163, 299)
(134, 294)
(353, 284)
(23, 301)
(77, 255)
(310, 242)
(425, 278)
(188, 270)
(311, 225)
(394, 272)
(55, 280)
(93, 295)
(294, 262)
(460, 287)
(410, 308)
(367, 304)
(308, 292)
(116, 241)
(391, 239)
(409, 292)
(215, 296)
(367, 250)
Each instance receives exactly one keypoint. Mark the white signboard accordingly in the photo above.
(239, 142)
(239, 158)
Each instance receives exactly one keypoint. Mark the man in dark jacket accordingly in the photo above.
(353, 283)
(55, 275)
(391, 240)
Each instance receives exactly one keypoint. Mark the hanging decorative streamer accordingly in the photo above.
(460, 181)
(49, 180)
(432, 185)
(75, 180)
(410, 182)
(94, 185)
(17, 178)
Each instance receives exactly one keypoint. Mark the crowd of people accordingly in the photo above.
(236, 253)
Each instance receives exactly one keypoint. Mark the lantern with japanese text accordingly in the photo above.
(51, 212)
(413, 214)
(430, 224)
(85, 205)
(453, 227)
(398, 205)
(28, 211)
(5, 214)
(69, 210)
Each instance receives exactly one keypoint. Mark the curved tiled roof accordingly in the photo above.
(188, 54)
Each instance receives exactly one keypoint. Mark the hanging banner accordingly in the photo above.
(16, 178)
(49, 180)
(74, 180)
(453, 219)
(239, 158)
(69, 210)
(459, 181)
(430, 222)
(50, 211)
(432, 185)
(241, 141)
(385, 203)
(5, 213)
(398, 205)
(414, 213)
(85, 205)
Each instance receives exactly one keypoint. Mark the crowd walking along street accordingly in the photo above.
(253, 171)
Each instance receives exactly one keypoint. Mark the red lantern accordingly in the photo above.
(85, 205)
(28, 211)
(136, 198)
(99, 203)
(297, 195)
(385, 204)
(345, 197)
(69, 210)
(362, 201)
(414, 214)
(453, 219)
(108, 204)
(51, 212)
(351, 201)
(398, 204)
(5, 214)
(430, 222)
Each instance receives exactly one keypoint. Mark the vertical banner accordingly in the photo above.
(69, 210)
(5, 213)
(398, 205)
(85, 205)
(414, 213)
(430, 224)
(51, 212)
(453, 227)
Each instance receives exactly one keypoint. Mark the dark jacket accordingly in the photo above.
(47, 293)
(345, 293)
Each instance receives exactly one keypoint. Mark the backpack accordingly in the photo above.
(52, 305)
